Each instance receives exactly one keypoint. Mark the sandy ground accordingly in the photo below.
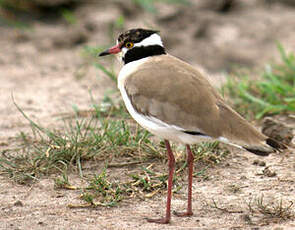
(45, 71)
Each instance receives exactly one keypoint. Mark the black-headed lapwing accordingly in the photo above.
(175, 101)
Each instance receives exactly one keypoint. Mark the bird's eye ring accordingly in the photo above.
(129, 45)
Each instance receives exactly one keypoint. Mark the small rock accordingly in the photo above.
(267, 172)
(246, 218)
(277, 130)
(3, 144)
(243, 178)
(18, 204)
(29, 101)
(259, 163)
(255, 162)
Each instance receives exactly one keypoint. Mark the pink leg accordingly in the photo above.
(171, 165)
(190, 162)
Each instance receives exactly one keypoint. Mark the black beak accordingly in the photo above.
(113, 50)
(104, 53)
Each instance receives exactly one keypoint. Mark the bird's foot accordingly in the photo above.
(163, 220)
(183, 214)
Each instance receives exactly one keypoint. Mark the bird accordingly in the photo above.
(175, 101)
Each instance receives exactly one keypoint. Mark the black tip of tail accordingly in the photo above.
(272, 143)
(257, 152)
(275, 144)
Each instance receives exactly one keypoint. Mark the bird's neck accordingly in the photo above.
(140, 52)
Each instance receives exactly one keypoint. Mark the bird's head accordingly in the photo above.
(135, 44)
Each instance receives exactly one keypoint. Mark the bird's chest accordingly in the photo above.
(128, 70)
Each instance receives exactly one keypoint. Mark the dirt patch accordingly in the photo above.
(45, 71)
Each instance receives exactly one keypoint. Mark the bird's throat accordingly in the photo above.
(140, 52)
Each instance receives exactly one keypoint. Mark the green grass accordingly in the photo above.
(69, 16)
(273, 209)
(102, 137)
(272, 93)
(91, 52)
(146, 180)
(100, 188)
(50, 151)
(264, 212)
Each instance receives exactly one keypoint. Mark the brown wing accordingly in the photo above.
(177, 94)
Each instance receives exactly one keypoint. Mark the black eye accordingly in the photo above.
(129, 45)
